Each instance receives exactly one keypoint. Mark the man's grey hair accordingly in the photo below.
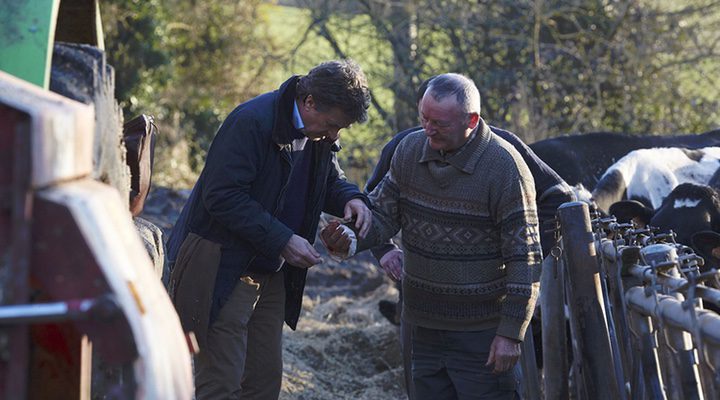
(460, 86)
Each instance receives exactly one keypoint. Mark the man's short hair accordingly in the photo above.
(339, 83)
(460, 86)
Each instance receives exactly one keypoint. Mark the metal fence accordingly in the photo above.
(639, 311)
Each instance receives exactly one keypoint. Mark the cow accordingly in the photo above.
(648, 175)
(707, 245)
(584, 158)
(691, 211)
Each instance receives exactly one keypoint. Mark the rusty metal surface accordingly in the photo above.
(60, 275)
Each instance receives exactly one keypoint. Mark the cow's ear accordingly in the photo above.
(706, 243)
(628, 210)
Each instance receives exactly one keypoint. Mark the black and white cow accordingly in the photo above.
(649, 175)
(584, 158)
(691, 211)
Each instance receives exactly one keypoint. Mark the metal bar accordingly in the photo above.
(610, 311)
(680, 367)
(620, 317)
(689, 373)
(709, 378)
(669, 363)
(646, 274)
(649, 358)
(585, 294)
(672, 312)
(103, 307)
(554, 333)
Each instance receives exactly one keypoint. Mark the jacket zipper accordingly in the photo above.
(315, 209)
(286, 158)
(281, 196)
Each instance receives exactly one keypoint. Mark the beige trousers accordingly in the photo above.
(243, 355)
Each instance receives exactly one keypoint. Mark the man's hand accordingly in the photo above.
(392, 263)
(358, 208)
(504, 353)
(299, 252)
(335, 238)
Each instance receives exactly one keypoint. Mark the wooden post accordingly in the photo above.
(586, 304)
(530, 380)
(554, 339)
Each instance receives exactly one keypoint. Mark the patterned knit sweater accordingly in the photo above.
(469, 231)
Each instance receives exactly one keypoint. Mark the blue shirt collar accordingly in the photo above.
(297, 120)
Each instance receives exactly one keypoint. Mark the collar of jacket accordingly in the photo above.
(283, 108)
(466, 158)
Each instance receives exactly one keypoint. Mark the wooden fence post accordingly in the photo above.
(554, 338)
(585, 299)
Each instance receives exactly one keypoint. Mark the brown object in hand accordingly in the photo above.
(139, 135)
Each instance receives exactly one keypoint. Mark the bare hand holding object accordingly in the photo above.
(300, 253)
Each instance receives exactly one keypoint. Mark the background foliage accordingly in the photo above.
(544, 67)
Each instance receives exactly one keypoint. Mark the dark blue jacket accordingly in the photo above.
(242, 189)
(551, 191)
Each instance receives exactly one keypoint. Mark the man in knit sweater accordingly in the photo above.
(465, 202)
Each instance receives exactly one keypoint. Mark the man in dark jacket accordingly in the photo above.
(247, 229)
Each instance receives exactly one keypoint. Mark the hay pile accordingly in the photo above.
(343, 348)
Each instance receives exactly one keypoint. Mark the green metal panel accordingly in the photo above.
(27, 30)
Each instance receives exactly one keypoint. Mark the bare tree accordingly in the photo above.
(547, 67)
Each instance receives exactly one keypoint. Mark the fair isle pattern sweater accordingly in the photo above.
(469, 231)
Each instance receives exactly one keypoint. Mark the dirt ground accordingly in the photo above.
(343, 347)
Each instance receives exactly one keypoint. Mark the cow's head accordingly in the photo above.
(707, 245)
(632, 210)
(687, 210)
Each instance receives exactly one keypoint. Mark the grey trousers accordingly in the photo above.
(243, 357)
(450, 365)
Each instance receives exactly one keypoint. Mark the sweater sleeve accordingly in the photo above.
(520, 247)
(385, 200)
